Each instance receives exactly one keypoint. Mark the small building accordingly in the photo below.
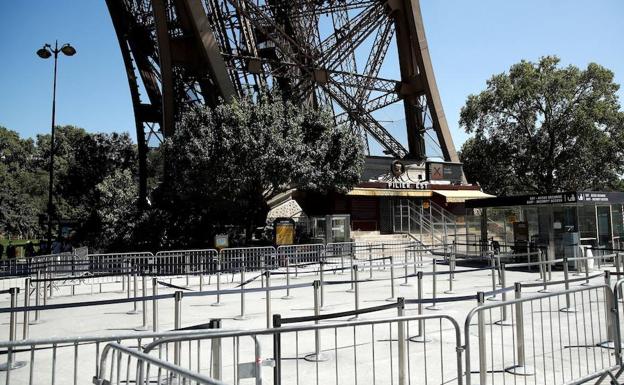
(557, 222)
(390, 199)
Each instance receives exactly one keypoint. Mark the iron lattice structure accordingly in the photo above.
(324, 53)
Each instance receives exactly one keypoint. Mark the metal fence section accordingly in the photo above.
(122, 365)
(300, 254)
(204, 261)
(553, 338)
(248, 258)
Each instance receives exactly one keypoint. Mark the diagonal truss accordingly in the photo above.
(360, 58)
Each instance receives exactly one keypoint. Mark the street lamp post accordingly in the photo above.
(45, 53)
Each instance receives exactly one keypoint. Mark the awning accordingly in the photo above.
(386, 192)
(460, 196)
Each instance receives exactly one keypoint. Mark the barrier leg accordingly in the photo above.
(421, 336)
(520, 368)
(11, 364)
(26, 304)
(392, 296)
(317, 356)
(242, 316)
(433, 305)
(154, 304)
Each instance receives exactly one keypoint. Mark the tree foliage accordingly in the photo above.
(224, 163)
(542, 128)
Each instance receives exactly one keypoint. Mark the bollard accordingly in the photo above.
(433, 305)
(26, 304)
(268, 298)
(544, 279)
(45, 290)
(482, 344)
(403, 377)
(37, 296)
(51, 286)
(154, 304)
(610, 309)
(520, 368)
(177, 323)
(143, 304)
(201, 281)
(568, 308)
(356, 291)
(586, 267)
(10, 364)
(135, 292)
(317, 356)
(242, 316)
(218, 303)
(287, 296)
(392, 297)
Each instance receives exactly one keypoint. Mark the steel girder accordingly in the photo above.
(326, 53)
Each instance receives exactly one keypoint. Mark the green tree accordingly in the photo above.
(224, 163)
(22, 186)
(542, 128)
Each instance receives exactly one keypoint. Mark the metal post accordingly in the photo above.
(317, 355)
(450, 278)
(11, 364)
(26, 304)
(370, 261)
(268, 298)
(433, 305)
(520, 368)
(503, 321)
(177, 323)
(242, 297)
(586, 265)
(482, 344)
(403, 377)
(357, 291)
(135, 292)
(143, 303)
(493, 275)
(420, 337)
(154, 304)
(37, 296)
(45, 290)
(351, 289)
(568, 308)
(287, 296)
(216, 353)
(392, 297)
(405, 272)
(218, 303)
(321, 277)
(616, 261)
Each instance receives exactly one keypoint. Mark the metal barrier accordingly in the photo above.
(128, 365)
(248, 258)
(543, 340)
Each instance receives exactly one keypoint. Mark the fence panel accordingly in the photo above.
(248, 258)
(553, 338)
(177, 262)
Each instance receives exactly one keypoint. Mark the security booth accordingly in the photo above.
(558, 223)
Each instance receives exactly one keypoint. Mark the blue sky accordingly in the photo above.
(469, 41)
